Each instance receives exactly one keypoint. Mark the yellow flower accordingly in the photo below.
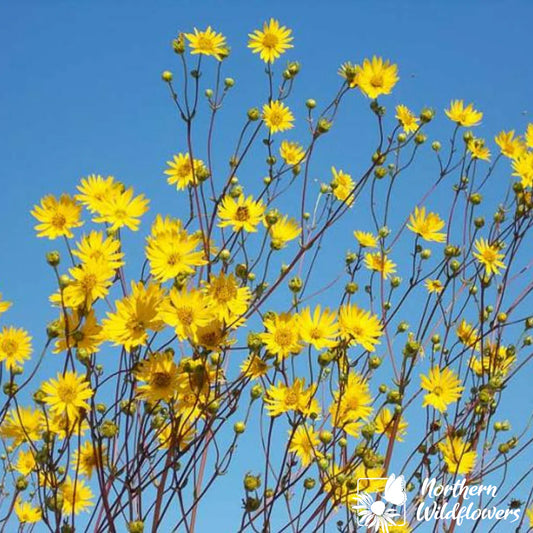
(160, 376)
(375, 77)
(228, 299)
(254, 367)
(270, 43)
(135, 316)
(495, 361)
(4, 306)
(457, 455)
(320, 328)
(366, 239)
(427, 226)
(277, 116)
(467, 334)
(25, 462)
(464, 116)
(26, 513)
(434, 286)
(123, 210)
(282, 337)
(208, 43)
(87, 458)
(241, 213)
(379, 262)
(529, 136)
(405, 528)
(63, 426)
(96, 247)
(342, 186)
(304, 443)
(529, 513)
(489, 256)
(179, 433)
(181, 171)
(22, 424)
(523, 168)
(510, 145)
(15, 346)
(57, 217)
(443, 388)
(80, 331)
(77, 496)
(407, 119)
(283, 231)
(213, 336)
(478, 150)
(67, 394)
(281, 399)
(351, 403)
(359, 327)
(94, 189)
(385, 422)
(292, 153)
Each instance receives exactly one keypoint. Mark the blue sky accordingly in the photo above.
(81, 93)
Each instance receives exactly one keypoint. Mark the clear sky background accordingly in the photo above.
(80, 93)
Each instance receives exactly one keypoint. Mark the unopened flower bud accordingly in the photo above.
(166, 76)
(53, 258)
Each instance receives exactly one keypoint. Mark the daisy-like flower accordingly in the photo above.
(228, 299)
(510, 146)
(375, 77)
(284, 230)
(241, 213)
(342, 186)
(22, 424)
(466, 333)
(77, 496)
(304, 444)
(25, 462)
(373, 514)
(254, 367)
(380, 262)
(366, 239)
(529, 136)
(80, 331)
(96, 247)
(123, 210)
(136, 315)
(208, 43)
(270, 42)
(181, 171)
(292, 153)
(458, 455)
(277, 116)
(434, 286)
(57, 218)
(282, 336)
(358, 326)
(464, 116)
(489, 256)
(159, 376)
(87, 458)
(281, 398)
(523, 168)
(428, 225)
(15, 346)
(351, 404)
(94, 190)
(443, 388)
(407, 118)
(385, 422)
(67, 394)
(319, 328)
(478, 150)
(496, 360)
(27, 513)
(213, 336)
(4, 305)
(63, 426)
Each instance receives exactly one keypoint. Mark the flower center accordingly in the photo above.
(9, 347)
(291, 398)
(243, 213)
(206, 44)
(276, 118)
(270, 40)
(89, 282)
(185, 315)
(283, 337)
(437, 391)
(161, 380)
(66, 393)
(376, 80)
(225, 291)
(59, 220)
(173, 259)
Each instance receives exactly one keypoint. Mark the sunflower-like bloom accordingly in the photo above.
(282, 336)
(366, 239)
(510, 146)
(292, 153)
(375, 77)
(15, 346)
(25, 462)
(76, 495)
(96, 247)
(443, 388)
(458, 455)
(406, 118)
(496, 360)
(380, 262)
(241, 213)
(467, 334)
(304, 444)
(434, 286)
(208, 43)
(277, 116)
(358, 326)
(320, 328)
(80, 331)
(428, 225)
(342, 186)
(489, 256)
(178, 433)
(464, 116)
(135, 316)
(271, 42)
(523, 168)
(87, 458)
(159, 376)
(283, 231)
(281, 399)
(27, 513)
(94, 190)
(67, 394)
(478, 149)
(227, 298)
(183, 172)
(63, 426)
(122, 209)
(385, 422)
(254, 367)
(22, 424)
(57, 218)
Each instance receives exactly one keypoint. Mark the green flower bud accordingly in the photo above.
(253, 114)
(309, 483)
(166, 76)
(310, 103)
(137, 526)
(53, 258)
(239, 427)
(251, 482)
